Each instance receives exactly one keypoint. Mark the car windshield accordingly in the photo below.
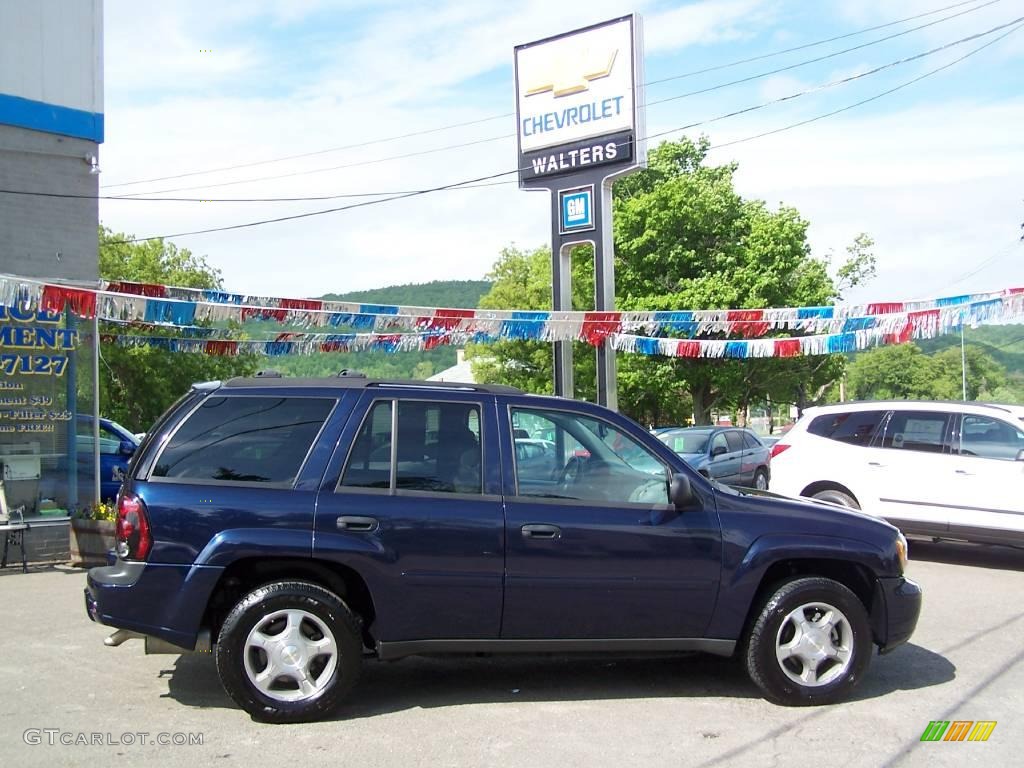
(686, 442)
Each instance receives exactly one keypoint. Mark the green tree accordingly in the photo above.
(138, 384)
(684, 238)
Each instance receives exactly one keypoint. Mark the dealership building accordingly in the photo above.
(51, 128)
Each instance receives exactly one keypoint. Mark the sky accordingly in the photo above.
(932, 172)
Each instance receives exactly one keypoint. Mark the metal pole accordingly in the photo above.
(963, 360)
(96, 408)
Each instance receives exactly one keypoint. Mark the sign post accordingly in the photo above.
(580, 126)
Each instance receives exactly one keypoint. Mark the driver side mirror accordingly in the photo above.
(680, 492)
(718, 450)
(1020, 455)
(127, 448)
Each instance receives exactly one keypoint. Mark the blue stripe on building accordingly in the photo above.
(51, 118)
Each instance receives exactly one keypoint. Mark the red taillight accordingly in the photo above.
(779, 448)
(132, 530)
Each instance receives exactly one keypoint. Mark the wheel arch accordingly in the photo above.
(246, 574)
(828, 485)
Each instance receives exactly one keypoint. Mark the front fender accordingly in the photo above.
(739, 588)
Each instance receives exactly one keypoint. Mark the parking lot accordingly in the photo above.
(965, 662)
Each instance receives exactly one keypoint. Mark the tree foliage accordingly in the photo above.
(137, 385)
(905, 372)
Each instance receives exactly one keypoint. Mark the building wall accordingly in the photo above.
(47, 237)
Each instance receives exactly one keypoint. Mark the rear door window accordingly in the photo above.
(750, 442)
(922, 431)
(244, 440)
(851, 427)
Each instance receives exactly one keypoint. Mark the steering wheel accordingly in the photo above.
(573, 471)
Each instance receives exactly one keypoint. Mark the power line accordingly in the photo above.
(452, 126)
(490, 177)
(310, 198)
(818, 59)
(461, 145)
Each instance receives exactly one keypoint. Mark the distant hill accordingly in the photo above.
(1005, 343)
(438, 293)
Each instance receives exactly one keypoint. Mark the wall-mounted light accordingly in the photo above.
(93, 162)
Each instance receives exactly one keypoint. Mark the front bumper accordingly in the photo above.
(895, 609)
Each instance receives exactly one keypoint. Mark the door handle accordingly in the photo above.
(963, 472)
(357, 524)
(541, 532)
(875, 464)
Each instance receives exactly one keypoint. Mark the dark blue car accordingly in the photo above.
(117, 446)
(297, 527)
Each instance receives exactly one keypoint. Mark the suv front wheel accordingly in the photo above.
(289, 652)
(811, 643)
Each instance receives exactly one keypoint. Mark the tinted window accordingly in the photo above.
(439, 447)
(735, 441)
(244, 439)
(915, 431)
(751, 442)
(853, 427)
(369, 463)
(990, 438)
(590, 460)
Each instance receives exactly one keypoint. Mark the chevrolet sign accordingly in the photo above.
(575, 87)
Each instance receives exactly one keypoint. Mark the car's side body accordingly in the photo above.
(730, 455)
(475, 549)
(937, 469)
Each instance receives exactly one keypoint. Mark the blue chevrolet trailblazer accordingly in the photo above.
(297, 526)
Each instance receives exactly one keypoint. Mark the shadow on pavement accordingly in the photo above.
(426, 682)
(13, 569)
(976, 555)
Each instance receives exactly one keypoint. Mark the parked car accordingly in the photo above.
(942, 470)
(117, 446)
(294, 547)
(728, 455)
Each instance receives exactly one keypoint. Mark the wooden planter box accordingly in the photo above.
(90, 541)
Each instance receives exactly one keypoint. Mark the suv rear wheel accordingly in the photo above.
(837, 497)
(289, 652)
(811, 643)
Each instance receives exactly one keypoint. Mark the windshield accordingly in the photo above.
(686, 442)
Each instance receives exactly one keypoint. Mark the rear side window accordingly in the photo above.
(244, 439)
(852, 427)
(751, 442)
(439, 448)
(989, 438)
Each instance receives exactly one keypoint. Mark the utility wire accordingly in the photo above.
(309, 198)
(517, 170)
(479, 121)
(745, 110)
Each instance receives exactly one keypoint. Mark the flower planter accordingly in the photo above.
(90, 541)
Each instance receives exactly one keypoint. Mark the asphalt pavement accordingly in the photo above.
(59, 684)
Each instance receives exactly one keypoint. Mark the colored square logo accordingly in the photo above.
(577, 209)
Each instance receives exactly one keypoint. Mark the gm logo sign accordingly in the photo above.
(577, 209)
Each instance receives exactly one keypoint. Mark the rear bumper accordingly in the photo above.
(894, 612)
(164, 601)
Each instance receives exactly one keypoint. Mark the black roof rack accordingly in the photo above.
(360, 381)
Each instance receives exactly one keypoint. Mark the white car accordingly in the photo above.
(937, 469)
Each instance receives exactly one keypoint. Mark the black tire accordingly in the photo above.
(768, 672)
(258, 606)
(758, 475)
(837, 497)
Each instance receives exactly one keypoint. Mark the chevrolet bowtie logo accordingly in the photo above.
(571, 72)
